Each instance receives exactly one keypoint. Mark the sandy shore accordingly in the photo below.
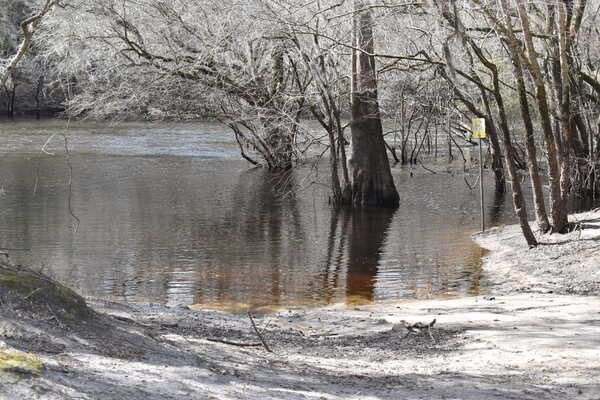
(537, 336)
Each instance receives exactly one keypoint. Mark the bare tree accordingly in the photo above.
(28, 28)
(148, 57)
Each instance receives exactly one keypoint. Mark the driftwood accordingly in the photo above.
(417, 327)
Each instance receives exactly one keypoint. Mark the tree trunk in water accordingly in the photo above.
(279, 133)
(12, 101)
(38, 96)
(371, 179)
(10, 98)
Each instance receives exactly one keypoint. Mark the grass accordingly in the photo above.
(16, 362)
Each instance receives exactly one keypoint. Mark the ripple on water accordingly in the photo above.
(170, 214)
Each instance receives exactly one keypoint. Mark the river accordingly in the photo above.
(169, 213)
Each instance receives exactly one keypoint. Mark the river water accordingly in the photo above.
(169, 213)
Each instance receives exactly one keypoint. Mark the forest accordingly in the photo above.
(262, 68)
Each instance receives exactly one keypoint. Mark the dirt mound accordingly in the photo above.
(32, 295)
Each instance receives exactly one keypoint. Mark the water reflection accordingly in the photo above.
(336, 254)
(259, 244)
(197, 229)
(368, 235)
(496, 208)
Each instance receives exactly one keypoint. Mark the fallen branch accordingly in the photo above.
(232, 343)
(417, 326)
(266, 346)
(429, 330)
(34, 292)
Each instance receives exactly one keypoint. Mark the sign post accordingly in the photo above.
(479, 132)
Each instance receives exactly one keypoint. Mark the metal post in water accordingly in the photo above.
(479, 132)
(481, 186)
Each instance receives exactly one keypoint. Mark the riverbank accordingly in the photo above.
(537, 336)
(564, 264)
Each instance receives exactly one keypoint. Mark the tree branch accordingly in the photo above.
(26, 26)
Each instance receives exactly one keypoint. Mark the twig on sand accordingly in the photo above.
(232, 343)
(266, 346)
(429, 330)
(34, 292)
(54, 315)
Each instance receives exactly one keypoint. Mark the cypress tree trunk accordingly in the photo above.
(371, 179)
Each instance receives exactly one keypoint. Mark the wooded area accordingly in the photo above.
(262, 67)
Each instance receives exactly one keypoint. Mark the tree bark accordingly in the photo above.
(559, 214)
(495, 142)
(538, 193)
(517, 193)
(372, 184)
(565, 113)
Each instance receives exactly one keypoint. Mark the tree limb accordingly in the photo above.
(26, 27)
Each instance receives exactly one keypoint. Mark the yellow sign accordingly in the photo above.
(478, 128)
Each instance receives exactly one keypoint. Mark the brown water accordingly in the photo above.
(169, 214)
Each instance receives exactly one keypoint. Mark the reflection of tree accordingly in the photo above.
(496, 209)
(356, 239)
(17, 196)
(475, 275)
(367, 237)
(336, 250)
(263, 219)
